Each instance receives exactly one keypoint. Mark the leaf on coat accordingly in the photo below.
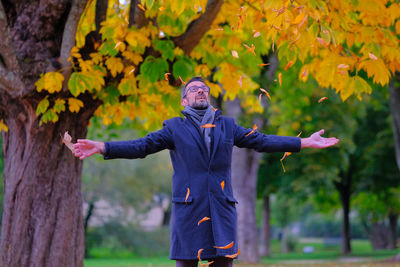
(222, 185)
(187, 195)
(208, 125)
(234, 255)
(199, 252)
(252, 131)
(67, 141)
(215, 109)
(203, 220)
(225, 247)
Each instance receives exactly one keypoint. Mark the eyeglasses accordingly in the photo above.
(196, 88)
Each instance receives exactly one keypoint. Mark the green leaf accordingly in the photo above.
(108, 48)
(166, 47)
(77, 83)
(183, 67)
(42, 106)
(112, 95)
(49, 115)
(153, 69)
(59, 105)
(149, 3)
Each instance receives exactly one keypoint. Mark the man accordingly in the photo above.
(203, 223)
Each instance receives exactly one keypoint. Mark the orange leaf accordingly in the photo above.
(263, 64)
(286, 155)
(222, 185)
(215, 109)
(298, 134)
(266, 92)
(141, 7)
(250, 49)
(372, 56)
(219, 29)
(259, 98)
(322, 41)
(280, 78)
(207, 264)
(203, 220)
(187, 194)
(182, 81)
(322, 99)
(67, 141)
(252, 131)
(289, 65)
(166, 76)
(234, 255)
(198, 253)
(225, 247)
(208, 125)
(283, 167)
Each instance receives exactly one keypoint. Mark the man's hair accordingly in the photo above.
(194, 79)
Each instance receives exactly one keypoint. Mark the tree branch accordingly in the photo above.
(101, 12)
(6, 44)
(68, 39)
(197, 28)
(132, 10)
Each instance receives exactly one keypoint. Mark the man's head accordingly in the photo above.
(195, 94)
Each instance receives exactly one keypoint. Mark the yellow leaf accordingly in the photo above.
(3, 126)
(376, 69)
(134, 57)
(74, 104)
(115, 65)
(135, 38)
(51, 82)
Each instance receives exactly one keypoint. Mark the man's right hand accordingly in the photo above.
(85, 148)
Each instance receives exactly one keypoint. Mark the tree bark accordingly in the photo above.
(345, 194)
(42, 220)
(393, 230)
(265, 228)
(245, 163)
(394, 104)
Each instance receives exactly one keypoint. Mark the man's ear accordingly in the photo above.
(184, 102)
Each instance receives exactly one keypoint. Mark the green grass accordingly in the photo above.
(330, 255)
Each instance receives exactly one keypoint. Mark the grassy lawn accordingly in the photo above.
(323, 256)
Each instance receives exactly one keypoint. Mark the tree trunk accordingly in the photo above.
(265, 228)
(393, 230)
(245, 163)
(394, 103)
(42, 220)
(346, 238)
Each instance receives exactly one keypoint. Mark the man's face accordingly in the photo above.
(199, 99)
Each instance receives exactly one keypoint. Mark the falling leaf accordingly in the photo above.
(225, 247)
(250, 49)
(263, 64)
(235, 54)
(234, 255)
(304, 72)
(372, 56)
(207, 264)
(299, 134)
(219, 29)
(222, 185)
(257, 34)
(199, 252)
(284, 156)
(203, 220)
(289, 65)
(322, 41)
(322, 99)
(161, 8)
(166, 76)
(131, 71)
(279, 11)
(141, 7)
(259, 98)
(240, 82)
(273, 45)
(343, 66)
(280, 78)
(67, 141)
(252, 131)
(276, 28)
(341, 72)
(266, 92)
(187, 195)
(215, 109)
(208, 125)
(182, 81)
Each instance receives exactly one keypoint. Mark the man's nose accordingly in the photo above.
(200, 91)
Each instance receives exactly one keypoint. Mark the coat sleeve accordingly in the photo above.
(265, 143)
(140, 148)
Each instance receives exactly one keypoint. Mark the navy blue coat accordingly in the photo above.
(202, 174)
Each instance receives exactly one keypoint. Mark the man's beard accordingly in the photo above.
(200, 105)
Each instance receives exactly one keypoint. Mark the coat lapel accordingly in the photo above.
(195, 132)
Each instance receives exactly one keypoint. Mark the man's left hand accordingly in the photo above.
(317, 141)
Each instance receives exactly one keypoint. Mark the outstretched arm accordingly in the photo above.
(317, 141)
(85, 148)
